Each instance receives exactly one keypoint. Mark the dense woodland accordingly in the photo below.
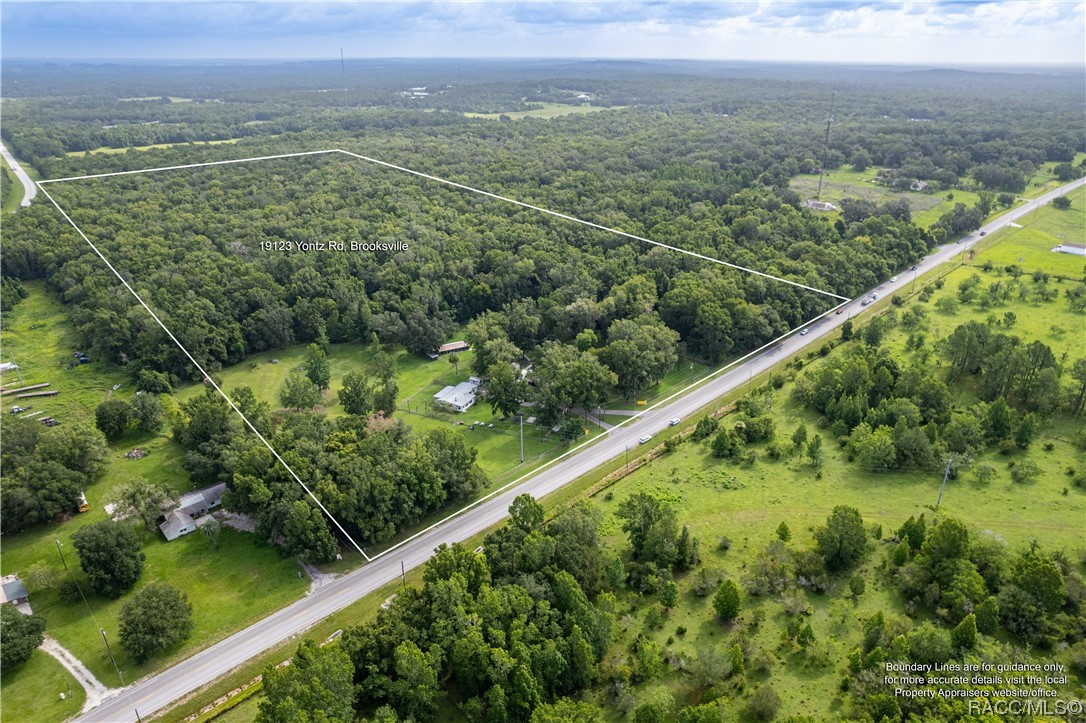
(695, 155)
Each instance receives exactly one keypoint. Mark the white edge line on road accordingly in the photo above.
(207, 377)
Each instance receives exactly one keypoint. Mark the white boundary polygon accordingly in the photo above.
(503, 488)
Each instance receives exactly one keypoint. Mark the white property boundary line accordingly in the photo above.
(844, 300)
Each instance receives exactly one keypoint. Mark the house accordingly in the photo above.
(460, 397)
(1076, 249)
(191, 511)
(12, 590)
(819, 206)
(453, 347)
(918, 185)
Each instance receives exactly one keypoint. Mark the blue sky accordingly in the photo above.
(1008, 32)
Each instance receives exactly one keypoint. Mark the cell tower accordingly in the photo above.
(825, 148)
(343, 71)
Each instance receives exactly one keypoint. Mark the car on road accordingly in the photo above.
(674, 422)
(866, 301)
(983, 233)
(914, 268)
(644, 438)
(893, 278)
(840, 311)
(874, 297)
(805, 332)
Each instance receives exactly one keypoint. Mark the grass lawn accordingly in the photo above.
(549, 110)
(1042, 230)
(31, 692)
(230, 587)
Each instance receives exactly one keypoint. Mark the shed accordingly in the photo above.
(12, 590)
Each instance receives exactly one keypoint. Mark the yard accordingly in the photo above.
(31, 693)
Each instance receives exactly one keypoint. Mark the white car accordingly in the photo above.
(645, 438)
(674, 422)
(805, 332)
(893, 278)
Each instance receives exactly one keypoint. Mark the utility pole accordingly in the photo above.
(403, 575)
(111, 658)
(61, 553)
(627, 459)
(522, 438)
(946, 476)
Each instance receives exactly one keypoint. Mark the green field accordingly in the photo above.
(107, 149)
(549, 110)
(39, 338)
(1030, 247)
(31, 692)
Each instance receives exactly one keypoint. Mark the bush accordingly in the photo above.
(705, 427)
(706, 580)
(764, 704)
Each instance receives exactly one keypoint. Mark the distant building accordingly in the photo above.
(192, 511)
(819, 205)
(460, 397)
(453, 347)
(918, 185)
(1076, 249)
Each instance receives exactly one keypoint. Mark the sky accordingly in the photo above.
(959, 32)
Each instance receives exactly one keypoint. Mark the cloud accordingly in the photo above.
(877, 32)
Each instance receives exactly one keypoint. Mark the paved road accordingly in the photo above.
(30, 189)
(205, 667)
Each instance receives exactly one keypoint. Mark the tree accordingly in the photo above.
(651, 526)
(153, 620)
(1061, 202)
(669, 595)
(799, 437)
(109, 552)
(843, 540)
(140, 497)
(641, 352)
(149, 413)
(113, 417)
(384, 398)
(964, 635)
(299, 392)
(566, 377)
(21, 635)
(505, 391)
(565, 710)
(415, 690)
(257, 411)
(727, 600)
(317, 369)
(783, 533)
(317, 687)
(211, 529)
(454, 360)
(860, 159)
(305, 533)
(356, 394)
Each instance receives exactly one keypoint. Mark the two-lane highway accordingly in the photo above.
(30, 189)
(158, 691)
